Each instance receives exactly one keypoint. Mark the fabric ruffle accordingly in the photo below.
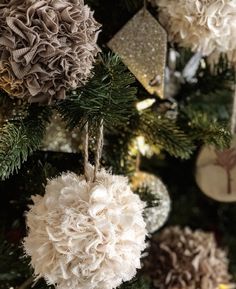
(84, 234)
(46, 47)
(206, 26)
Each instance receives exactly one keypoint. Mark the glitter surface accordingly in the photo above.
(155, 217)
(142, 46)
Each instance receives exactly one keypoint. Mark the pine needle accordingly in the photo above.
(18, 139)
(108, 95)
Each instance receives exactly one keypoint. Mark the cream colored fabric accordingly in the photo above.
(208, 26)
(46, 47)
(86, 235)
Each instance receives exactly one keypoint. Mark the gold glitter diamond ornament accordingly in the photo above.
(142, 46)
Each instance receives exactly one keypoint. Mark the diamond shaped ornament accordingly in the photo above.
(142, 46)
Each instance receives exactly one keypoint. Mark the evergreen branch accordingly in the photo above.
(221, 72)
(217, 104)
(108, 95)
(118, 145)
(147, 196)
(164, 132)
(19, 139)
(205, 128)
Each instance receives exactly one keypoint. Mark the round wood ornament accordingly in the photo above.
(216, 173)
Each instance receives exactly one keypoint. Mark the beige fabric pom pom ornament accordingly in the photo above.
(186, 259)
(46, 47)
(206, 26)
(86, 234)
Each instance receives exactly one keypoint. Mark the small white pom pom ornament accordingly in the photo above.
(85, 234)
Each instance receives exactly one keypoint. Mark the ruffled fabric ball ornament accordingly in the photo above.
(85, 234)
(186, 259)
(206, 26)
(46, 47)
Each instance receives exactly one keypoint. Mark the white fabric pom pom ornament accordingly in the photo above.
(85, 234)
(206, 26)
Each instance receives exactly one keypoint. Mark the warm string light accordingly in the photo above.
(144, 104)
(140, 144)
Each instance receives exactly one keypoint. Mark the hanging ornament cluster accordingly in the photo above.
(87, 231)
(157, 212)
(46, 47)
(142, 46)
(186, 259)
(203, 26)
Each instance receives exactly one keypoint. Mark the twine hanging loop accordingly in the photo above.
(98, 150)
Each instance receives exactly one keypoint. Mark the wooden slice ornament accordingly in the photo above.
(216, 170)
(216, 173)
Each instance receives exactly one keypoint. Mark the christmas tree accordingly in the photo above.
(117, 147)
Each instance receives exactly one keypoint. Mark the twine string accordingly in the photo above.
(144, 7)
(86, 153)
(98, 149)
(98, 152)
(145, 4)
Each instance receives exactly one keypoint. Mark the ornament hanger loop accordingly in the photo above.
(98, 148)
(85, 147)
(98, 152)
(144, 6)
